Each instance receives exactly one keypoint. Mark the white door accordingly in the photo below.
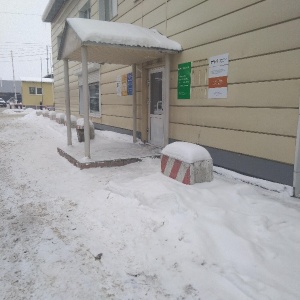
(156, 107)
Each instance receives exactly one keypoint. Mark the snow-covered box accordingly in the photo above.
(187, 163)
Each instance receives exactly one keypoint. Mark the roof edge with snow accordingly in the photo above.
(113, 42)
(36, 79)
(52, 9)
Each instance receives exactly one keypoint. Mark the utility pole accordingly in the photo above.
(12, 62)
(51, 76)
(42, 81)
(47, 61)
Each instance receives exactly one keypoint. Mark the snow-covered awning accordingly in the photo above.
(112, 42)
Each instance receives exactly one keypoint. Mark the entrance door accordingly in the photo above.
(156, 106)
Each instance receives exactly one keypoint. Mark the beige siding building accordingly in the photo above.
(247, 118)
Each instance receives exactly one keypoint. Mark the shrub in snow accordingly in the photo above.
(73, 121)
(45, 113)
(52, 115)
(187, 163)
(39, 112)
(60, 118)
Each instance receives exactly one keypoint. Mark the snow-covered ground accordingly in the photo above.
(132, 233)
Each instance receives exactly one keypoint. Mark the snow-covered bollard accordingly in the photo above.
(39, 112)
(52, 115)
(73, 121)
(80, 130)
(45, 113)
(187, 163)
(60, 118)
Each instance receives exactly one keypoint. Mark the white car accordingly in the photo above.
(2, 103)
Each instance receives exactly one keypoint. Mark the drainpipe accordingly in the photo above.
(296, 181)
(134, 102)
(167, 99)
(85, 87)
(67, 100)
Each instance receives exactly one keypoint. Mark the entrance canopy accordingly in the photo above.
(112, 42)
(87, 40)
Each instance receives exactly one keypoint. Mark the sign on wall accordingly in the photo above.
(124, 84)
(184, 81)
(217, 76)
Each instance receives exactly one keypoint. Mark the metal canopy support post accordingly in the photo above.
(85, 87)
(67, 101)
(167, 100)
(134, 102)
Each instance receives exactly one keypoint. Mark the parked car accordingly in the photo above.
(2, 103)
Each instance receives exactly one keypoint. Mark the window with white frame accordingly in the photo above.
(108, 9)
(35, 91)
(94, 93)
(85, 11)
(94, 97)
(32, 90)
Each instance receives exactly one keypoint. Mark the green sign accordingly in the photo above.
(184, 81)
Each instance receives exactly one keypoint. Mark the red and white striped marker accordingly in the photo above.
(176, 169)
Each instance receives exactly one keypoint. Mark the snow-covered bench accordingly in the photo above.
(80, 130)
(186, 162)
(60, 117)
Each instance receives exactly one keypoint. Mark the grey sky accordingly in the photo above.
(24, 33)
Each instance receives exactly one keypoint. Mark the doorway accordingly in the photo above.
(156, 107)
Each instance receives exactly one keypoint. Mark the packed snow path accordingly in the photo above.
(132, 233)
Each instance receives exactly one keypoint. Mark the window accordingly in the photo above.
(85, 11)
(94, 97)
(108, 9)
(35, 91)
(94, 93)
(32, 90)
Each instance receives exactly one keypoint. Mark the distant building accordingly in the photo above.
(7, 90)
(49, 76)
(36, 92)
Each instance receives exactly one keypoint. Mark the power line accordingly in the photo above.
(21, 43)
(38, 57)
(26, 55)
(14, 13)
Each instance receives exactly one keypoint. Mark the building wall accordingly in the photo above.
(71, 9)
(259, 117)
(34, 100)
